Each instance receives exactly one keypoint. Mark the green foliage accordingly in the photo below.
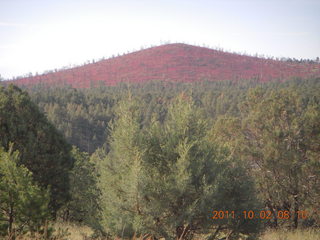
(166, 179)
(120, 172)
(83, 205)
(81, 116)
(23, 205)
(159, 172)
(43, 150)
(278, 139)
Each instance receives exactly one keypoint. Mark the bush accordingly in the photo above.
(23, 205)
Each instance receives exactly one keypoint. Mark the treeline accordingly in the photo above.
(156, 160)
(35, 161)
(83, 115)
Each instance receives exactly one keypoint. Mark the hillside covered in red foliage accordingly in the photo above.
(175, 63)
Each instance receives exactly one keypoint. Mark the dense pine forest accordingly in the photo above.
(201, 160)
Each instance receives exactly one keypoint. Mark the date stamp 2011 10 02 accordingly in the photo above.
(263, 214)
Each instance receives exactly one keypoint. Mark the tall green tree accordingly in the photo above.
(23, 205)
(188, 177)
(120, 173)
(43, 149)
(281, 137)
(83, 206)
(278, 140)
(166, 179)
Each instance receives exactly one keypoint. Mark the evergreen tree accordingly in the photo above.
(43, 150)
(188, 177)
(23, 205)
(278, 140)
(165, 180)
(120, 173)
(83, 206)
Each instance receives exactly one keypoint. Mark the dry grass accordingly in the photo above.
(70, 231)
(82, 232)
(75, 232)
(62, 231)
(291, 235)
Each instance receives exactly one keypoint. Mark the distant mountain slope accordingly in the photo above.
(175, 62)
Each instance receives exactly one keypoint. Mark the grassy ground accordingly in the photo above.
(291, 235)
(62, 231)
(80, 233)
(75, 232)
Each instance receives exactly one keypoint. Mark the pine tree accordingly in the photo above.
(43, 150)
(23, 205)
(277, 138)
(188, 178)
(120, 173)
(281, 139)
(83, 206)
(164, 180)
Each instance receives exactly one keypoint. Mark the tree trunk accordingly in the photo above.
(296, 212)
(182, 232)
(11, 219)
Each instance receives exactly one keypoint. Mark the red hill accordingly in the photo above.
(176, 63)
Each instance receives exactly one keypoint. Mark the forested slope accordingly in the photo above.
(165, 159)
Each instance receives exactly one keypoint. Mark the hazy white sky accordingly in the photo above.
(39, 35)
